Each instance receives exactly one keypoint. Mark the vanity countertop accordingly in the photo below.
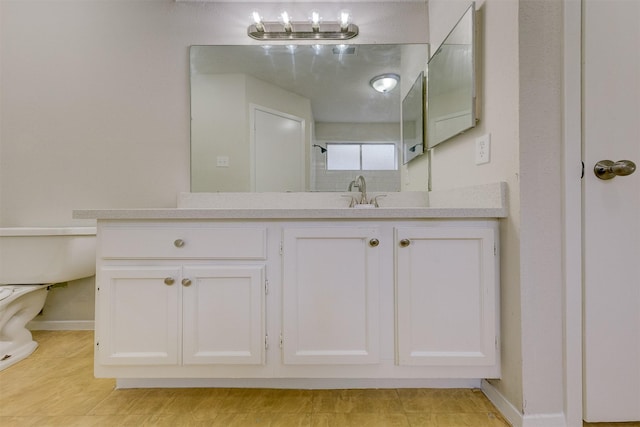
(242, 214)
(486, 201)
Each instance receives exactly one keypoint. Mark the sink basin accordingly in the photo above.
(300, 200)
(45, 255)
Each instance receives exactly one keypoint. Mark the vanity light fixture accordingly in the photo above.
(385, 82)
(314, 29)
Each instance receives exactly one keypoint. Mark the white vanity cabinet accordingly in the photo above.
(330, 295)
(180, 294)
(348, 300)
(446, 290)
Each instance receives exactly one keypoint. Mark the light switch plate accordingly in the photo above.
(483, 149)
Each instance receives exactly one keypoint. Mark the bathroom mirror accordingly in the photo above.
(451, 92)
(319, 93)
(413, 106)
(305, 96)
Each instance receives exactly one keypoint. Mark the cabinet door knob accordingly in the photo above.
(178, 243)
(169, 281)
(186, 282)
(405, 242)
(374, 242)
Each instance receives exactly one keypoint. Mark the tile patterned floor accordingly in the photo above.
(56, 387)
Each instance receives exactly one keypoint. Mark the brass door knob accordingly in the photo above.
(169, 281)
(374, 242)
(404, 243)
(606, 169)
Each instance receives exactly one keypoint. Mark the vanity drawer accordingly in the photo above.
(184, 242)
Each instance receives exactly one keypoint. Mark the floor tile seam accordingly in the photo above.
(99, 403)
(283, 413)
(287, 412)
(487, 412)
(275, 412)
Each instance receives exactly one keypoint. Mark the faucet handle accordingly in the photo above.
(374, 201)
(353, 202)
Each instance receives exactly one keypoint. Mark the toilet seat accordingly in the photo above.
(5, 292)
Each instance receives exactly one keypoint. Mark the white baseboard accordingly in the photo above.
(545, 420)
(517, 418)
(61, 325)
(505, 407)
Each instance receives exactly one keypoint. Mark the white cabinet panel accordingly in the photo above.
(138, 318)
(446, 296)
(223, 315)
(330, 296)
(172, 316)
(162, 242)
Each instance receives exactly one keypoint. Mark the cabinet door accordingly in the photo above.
(446, 296)
(330, 296)
(138, 320)
(223, 314)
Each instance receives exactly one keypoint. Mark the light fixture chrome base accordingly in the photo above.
(302, 31)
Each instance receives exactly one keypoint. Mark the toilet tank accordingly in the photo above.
(45, 255)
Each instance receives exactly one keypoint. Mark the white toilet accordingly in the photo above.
(31, 260)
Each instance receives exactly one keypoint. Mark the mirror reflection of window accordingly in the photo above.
(356, 156)
(341, 157)
(379, 157)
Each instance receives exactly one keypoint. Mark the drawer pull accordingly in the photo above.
(186, 282)
(178, 243)
(374, 242)
(169, 281)
(404, 243)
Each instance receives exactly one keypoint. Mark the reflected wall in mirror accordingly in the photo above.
(413, 106)
(258, 111)
(451, 97)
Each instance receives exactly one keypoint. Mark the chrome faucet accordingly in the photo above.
(361, 185)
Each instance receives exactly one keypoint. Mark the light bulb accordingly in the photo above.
(345, 20)
(315, 21)
(286, 21)
(258, 21)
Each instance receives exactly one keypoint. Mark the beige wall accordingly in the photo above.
(219, 120)
(541, 177)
